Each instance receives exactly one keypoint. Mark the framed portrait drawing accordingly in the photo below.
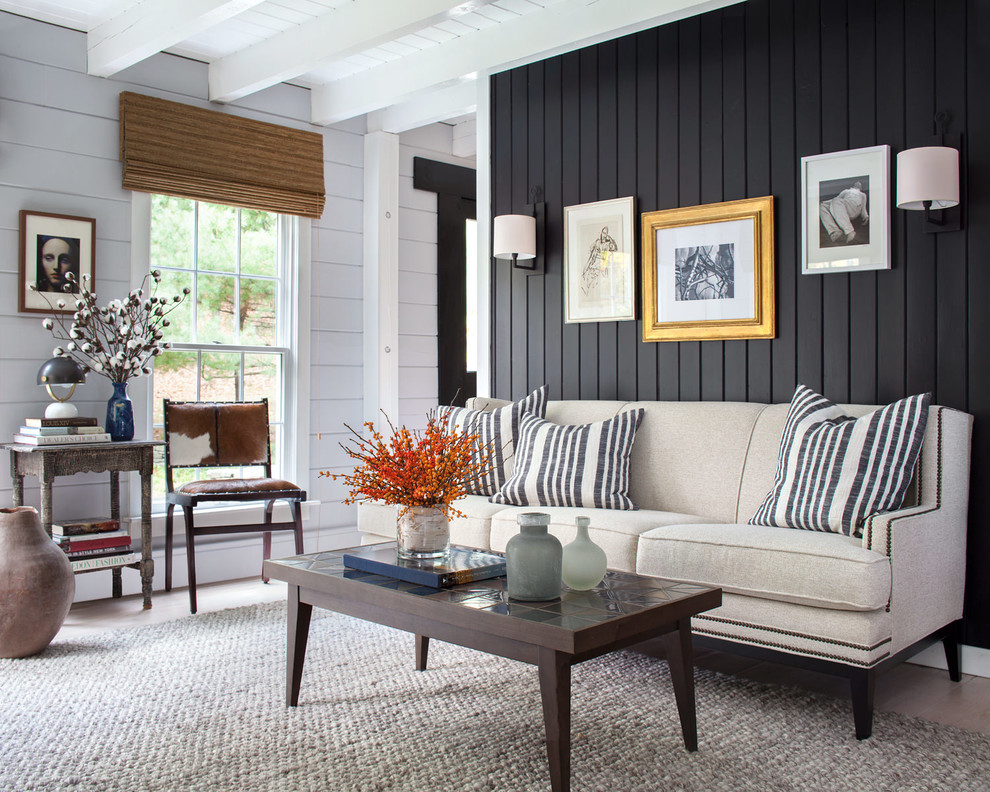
(708, 272)
(52, 247)
(845, 211)
(599, 261)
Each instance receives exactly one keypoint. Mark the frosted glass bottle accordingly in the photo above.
(532, 560)
(584, 562)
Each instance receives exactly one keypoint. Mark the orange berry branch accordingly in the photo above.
(429, 467)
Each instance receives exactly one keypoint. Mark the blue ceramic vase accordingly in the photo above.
(120, 414)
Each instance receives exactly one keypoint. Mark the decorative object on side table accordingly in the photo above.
(533, 560)
(118, 340)
(36, 584)
(584, 562)
(61, 372)
(420, 472)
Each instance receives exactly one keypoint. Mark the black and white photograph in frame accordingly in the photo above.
(53, 247)
(599, 261)
(708, 271)
(845, 211)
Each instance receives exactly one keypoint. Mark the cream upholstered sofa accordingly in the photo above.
(699, 471)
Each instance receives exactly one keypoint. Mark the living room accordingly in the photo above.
(717, 104)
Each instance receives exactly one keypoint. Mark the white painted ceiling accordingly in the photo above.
(357, 56)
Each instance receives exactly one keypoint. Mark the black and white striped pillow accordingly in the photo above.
(584, 465)
(497, 430)
(833, 471)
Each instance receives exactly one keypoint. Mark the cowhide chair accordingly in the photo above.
(222, 434)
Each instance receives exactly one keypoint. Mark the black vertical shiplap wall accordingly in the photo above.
(723, 106)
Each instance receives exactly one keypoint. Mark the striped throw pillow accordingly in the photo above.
(834, 471)
(585, 466)
(497, 430)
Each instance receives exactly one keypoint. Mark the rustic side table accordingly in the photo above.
(47, 462)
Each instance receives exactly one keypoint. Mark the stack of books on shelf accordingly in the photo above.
(94, 544)
(60, 431)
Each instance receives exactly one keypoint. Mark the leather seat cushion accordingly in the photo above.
(234, 486)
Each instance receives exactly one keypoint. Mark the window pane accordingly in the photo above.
(180, 327)
(263, 378)
(258, 243)
(175, 379)
(172, 231)
(215, 318)
(257, 312)
(217, 238)
(220, 376)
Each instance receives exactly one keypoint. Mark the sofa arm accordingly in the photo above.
(926, 543)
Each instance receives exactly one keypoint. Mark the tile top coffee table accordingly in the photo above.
(624, 609)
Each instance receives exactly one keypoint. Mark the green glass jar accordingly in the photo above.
(533, 560)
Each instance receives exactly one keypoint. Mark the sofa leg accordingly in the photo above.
(862, 683)
(953, 651)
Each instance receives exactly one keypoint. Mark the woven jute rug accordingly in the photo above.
(198, 704)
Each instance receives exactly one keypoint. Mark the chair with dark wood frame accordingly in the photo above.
(223, 434)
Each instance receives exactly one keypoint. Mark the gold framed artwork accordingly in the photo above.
(52, 247)
(600, 261)
(708, 272)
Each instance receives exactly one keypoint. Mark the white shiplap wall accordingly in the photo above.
(59, 153)
(418, 273)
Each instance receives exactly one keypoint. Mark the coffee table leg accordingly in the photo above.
(555, 690)
(299, 616)
(680, 657)
(422, 650)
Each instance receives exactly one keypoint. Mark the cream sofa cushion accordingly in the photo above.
(689, 456)
(616, 532)
(809, 568)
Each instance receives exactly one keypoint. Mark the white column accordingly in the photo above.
(484, 211)
(381, 276)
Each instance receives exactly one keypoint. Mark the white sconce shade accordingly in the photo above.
(515, 237)
(928, 178)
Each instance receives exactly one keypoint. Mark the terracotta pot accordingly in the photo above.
(36, 584)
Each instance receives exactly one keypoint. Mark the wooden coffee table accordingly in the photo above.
(624, 609)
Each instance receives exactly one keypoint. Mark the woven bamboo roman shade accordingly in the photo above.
(175, 149)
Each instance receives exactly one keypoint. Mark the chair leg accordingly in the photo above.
(266, 540)
(862, 684)
(953, 652)
(298, 530)
(168, 546)
(190, 557)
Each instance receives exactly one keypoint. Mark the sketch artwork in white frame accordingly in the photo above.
(845, 211)
(600, 261)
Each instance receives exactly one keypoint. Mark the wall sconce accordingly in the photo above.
(61, 371)
(928, 179)
(520, 237)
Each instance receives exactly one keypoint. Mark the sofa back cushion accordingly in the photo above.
(689, 456)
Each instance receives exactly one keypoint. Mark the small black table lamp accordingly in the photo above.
(61, 371)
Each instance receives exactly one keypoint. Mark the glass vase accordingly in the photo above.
(584, 562)
(423, 532)
(532, 560)
(120, 414)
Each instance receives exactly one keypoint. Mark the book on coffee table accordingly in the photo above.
(462, 565)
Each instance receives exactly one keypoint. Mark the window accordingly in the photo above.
(231, 338)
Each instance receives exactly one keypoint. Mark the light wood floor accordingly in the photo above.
(909, 689)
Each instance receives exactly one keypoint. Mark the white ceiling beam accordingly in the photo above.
(558, 28)
(151, 26)
(440, 105)
(338, 34)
